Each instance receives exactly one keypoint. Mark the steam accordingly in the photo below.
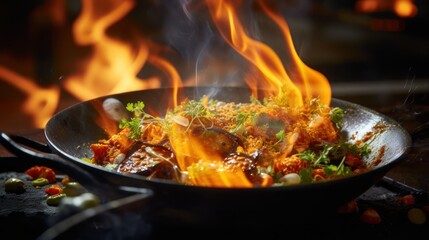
(210, 61)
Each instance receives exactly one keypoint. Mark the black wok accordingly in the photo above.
(70, 132)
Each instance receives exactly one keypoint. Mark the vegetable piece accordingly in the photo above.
(371, 216)
(14, 185)
(100, 151)
(416, 216)
(65, 180)
(42, 172)
(88, 200)
(353, 161)
(54, 200)
(72, 189)
(54, 189)
(40, 182)
(337, 115)
(407, 200)
(84, 201)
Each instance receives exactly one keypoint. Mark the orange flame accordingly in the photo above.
(204, 167)
(308, 83)
(113, 66)
(174, 76)
(41, 102)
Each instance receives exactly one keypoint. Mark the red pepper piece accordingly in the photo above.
(42, 172)
(54, 189)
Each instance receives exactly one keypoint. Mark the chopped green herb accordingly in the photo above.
(337, 115)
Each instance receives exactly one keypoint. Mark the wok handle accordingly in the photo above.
(42, 147)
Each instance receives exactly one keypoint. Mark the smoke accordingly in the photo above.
(206, 58)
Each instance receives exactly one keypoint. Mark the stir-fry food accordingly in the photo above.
(212, 143)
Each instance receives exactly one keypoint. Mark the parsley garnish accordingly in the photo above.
(195, 110)
(135, 124)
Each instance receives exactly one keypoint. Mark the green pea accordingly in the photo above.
(72, 189)
(40, 182)
(54, 200)
(14, 185)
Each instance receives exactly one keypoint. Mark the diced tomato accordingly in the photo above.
(33, 172)
(371, 216)
(42, 172)
(100, 151)
(352, 161)
(54, 189)
(408, 199)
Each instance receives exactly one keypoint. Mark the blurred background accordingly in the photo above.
(56, 53)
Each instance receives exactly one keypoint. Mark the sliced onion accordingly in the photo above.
(180, 120)
(115, 109)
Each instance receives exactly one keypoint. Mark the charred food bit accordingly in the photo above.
(150, 161)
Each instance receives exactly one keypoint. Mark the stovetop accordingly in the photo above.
(119, 220)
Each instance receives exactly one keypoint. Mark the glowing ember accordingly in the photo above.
(402, 8)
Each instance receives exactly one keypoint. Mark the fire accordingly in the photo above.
(306, 83)
(204, 167)
(113, 65)
(41, 102)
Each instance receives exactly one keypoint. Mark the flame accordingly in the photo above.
(204, 167)
(188, 149)
(113, 66)
(311, 83)
(306, 84)
(174, 77)
(40, 103)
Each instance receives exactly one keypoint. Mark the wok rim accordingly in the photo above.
(378, 171)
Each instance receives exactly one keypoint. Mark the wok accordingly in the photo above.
(70, 132)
